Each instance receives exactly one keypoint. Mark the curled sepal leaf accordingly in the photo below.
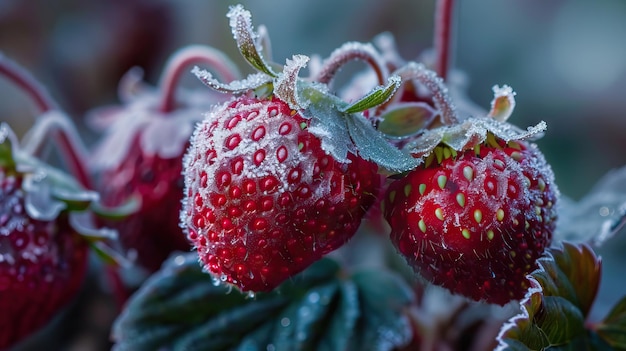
(469, 133)
(251, 82)
(349, 52)
(182, 308)
(503, 103)
(556, 306)
(285, 87)
(376, 97)
(247, 39)
(613, 328)
(406, 119)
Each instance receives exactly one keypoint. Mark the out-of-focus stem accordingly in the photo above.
(65, 135)
(443, 35)
(190, 55)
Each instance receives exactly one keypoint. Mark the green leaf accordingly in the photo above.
(613, 327)
(181, 308)
(556, 306)
(376, 97)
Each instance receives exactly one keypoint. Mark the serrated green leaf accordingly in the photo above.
(555, 309)
(376, 97)
(613, 327)
(179, 308)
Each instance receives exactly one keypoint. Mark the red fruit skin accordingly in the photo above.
(483, 243)
(42, 265)
(153, 231)
(263, 200)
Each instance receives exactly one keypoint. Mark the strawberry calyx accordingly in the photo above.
(50, 193)
(342, 127)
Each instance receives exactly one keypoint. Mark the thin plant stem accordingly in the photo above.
(443, 36)
(190, 55)
(65, 135)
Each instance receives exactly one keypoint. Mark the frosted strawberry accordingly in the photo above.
(275, 178)
(264, 200)
(477, 221)
(44, 240)
(139, 160)
(478, 213)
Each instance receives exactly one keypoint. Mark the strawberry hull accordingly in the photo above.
(477, 223)
(264, 201)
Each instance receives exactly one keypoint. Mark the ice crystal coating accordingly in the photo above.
(241, 86)
(470, 133)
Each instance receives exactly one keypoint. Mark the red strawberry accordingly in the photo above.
(42, 257)
(476, 221)
(263, 200)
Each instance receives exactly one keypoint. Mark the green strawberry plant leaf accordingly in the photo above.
(613, 328)
(556, 306)
(323, 308)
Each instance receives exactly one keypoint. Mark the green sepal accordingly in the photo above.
(246, 38)
(374, 98)
(8, 142)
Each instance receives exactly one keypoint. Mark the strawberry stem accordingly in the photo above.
(185, 57)
(349, 52)
(64, 132)
(443, 29)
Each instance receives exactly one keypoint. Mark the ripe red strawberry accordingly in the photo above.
(476, 221)
(263, 200)
(42, 257)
